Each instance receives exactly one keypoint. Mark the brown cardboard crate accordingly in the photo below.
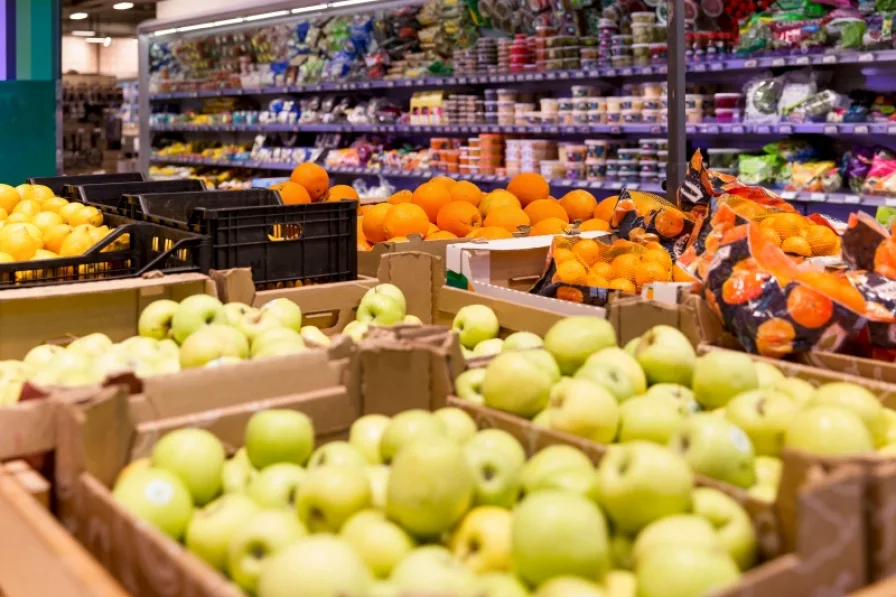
(369, 261)
(884, 588)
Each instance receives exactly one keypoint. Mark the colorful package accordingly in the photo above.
(881, 179)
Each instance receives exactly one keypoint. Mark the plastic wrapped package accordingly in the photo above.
(757, 169)
(815, 177)
(857, 165)
(881, 179)
(762, 95)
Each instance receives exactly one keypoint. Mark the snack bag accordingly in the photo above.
(774, 306)
(699, 186)
(864, 245)
(638, 213)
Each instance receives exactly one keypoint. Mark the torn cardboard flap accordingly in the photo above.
(369, 261)
(419, 276)
(27, 428)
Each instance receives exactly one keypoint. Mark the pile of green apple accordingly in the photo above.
(424, 503)
(477, 330)
(727, 415)
(382, 305)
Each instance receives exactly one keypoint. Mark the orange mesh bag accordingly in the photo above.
(699, 186)
(638, 213)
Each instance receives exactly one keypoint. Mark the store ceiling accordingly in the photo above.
(105, 20)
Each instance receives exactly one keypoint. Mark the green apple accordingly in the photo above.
(566, 586)
(608, 376)
(317, 566)
(155, 320)
(731, 522)
(764, 415)
(890, 415)
(256, 322)
(92, 345)
(194, 312)
(234, 311)
(799, 390)
(256, 541)
(649, 418)
(430, 487)
(157, 496)
(411, 320)
(621, 583)
(210, 529)
(279, 349)
(337, 453)
(287, 312)
(572, 340)
(236, 475)
(666, 356)
(574, 479)
(482, 539)
(380, 542)
(622, 548)
(433, 570)
(488, 348)
(459, 426)
(632, 345)
(672, 531)
(406, 427)
(197, 457)
(768, 471)
(475, 324)
(768, 374)
(263, 341)
(683, 396)
(686, 571)
(585, 409)
(720, 375)
(858, 400)
(379, 309)
(763, 493)
(378, 477)
(356, 330)
(543, 360)
(392, 291)
(313, 336)
(497, 460)
(330, 495)
(828, 430)
(557, 533)
(466, 352)
(365, 434)
(41, 356)
(277, 485)
(522, 341)
(279, 435)
(548, 461)
(542, 419)
(468, 385)
(212, 342)
(514, 385)
(716, 448)
(501, 584)
(641, 482)
(624, 360)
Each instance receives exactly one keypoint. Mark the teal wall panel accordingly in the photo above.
(27, 130)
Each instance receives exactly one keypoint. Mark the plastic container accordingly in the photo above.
(651, 116)
(580, 117)
(576, 153)
(632, 116)
(597, 117)
(727, 115)
(643, 17)
(552, 169)
(728, 100)
(724, 157)
(693, 116)
(506, 95)
(58, 184)
(694, 101)
(575, 171)
(595, 169)
(614, 117)
(597, 148)
(583, 91)
(108, 197)
(641, 54)
(314, 243)
(549, 104)
(642, 33)
(632, 102)
(629, 154)
(581, 103)
(614, 103)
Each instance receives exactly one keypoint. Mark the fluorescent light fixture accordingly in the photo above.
(123, 5)
(268, 15)
(161, 32)
(81, 33)
(226, 22)
(348, 3)
(106, 41)
(78, 16)
(316, 7)
(195, 27)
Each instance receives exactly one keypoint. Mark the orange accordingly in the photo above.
(885, 259)
(9, 197)
(742, 287)
(431, 197)
(405, 219)
(373, 222)
(808, 307)
(403, 196)
(797, 245)
(293, 193)
(651, 271)
(596, 280)
(669, 223)
(549, 226)
(441, 235)
(604, 269)
(571, 272)
(361, 228)
(770, 235)
(568, 293)
(498, 198)
(626, 265)
(459, 218)
(445, 181)
(579, 205)
(622, 284)
(594, 225)
(314, 178)
(658, 256)
(589, 251)
(786, 225)
(432, 228)
(529, 187)
(490, 233)
(774, 338)
(465, 190)
(606, 209)
(363, 245)
(508, 218)
(561, 254)
(839, 289)
(362, 210)
(342, 191)
(542, 209)
(822, 240)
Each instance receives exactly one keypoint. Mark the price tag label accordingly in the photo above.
(829, 59)
(763, 130)
(716, 66)
(890, 201)
(554, 130)
(614, 185)
(852, 199)
(802, 61)
(750, 63)
(656, 129)
(778, 62)
(861, 129)
(691, 130)
(699, 68)
(645, 71)
(551, 76)
(627, 72)
(712, 130)
(582, 184)
(390, 84)
(564, 75)
(866, 57)
(830, 129)
(634, 186)
(615, 130)
(891, 130)
(789, 195)
(817, 197)
(785, 129)
(738, 130)
(530, 77)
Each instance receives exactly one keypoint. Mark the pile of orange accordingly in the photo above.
(620, 266)
(310, 183)
(799, 236)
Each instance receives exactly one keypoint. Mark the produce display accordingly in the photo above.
(375, 515)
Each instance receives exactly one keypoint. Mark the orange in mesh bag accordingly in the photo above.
(638, 213)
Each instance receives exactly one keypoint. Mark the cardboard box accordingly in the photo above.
(369, 261)
(884, 588)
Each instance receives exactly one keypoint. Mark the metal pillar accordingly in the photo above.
(676, 89)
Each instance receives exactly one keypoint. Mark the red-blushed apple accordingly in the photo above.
(671, 531)
(287, 312)
(276, 335)
(194, 455)
(686, 571)
(522, 341)
(496, 459)
(858, 400)
(468, 385)
(732, 525)
(155, 319)
(195, 312)
(764, 415)
(608, 376)
(211, 528)
(459, 426)
(649, 418)
(550, 460)
(212, 342)
(330, 495)
(566, 586)
(339, 453)
(317, 566)
(681, 395)
(475, 324)
(365, 434)
(585, 409)
(666, 356)
(260, 537)
(431, 486)
(621, 583)
(378, 477)
(716, 448)
(380, 542)
(277, 485)
(433, 570)
(157, 496)
(314, 337)
(572, 340)
(488, 348)
(624, 360)
(501, 584)
(768, 374)
(380, 309)
(641, 482)
(556, 533)
(392, 291)
(407, 427)
(720, 375)
(799, 390)
(482, 539)
(279, 435)
(828, 430)
(514, 385)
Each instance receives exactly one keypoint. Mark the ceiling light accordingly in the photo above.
(123, 5)
(349, 3)
(106, 41)
(81, 33)
(78, 16)
(226, 22)
(304, 9)
(161, 32)
(195, 27)
(268, 15)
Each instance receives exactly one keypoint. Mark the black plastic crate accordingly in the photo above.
(58, 184)
(109, 197)
(283, 244)
(147, 247)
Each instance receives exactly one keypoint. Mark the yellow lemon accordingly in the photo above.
(44, 254)
(35, 192)
(46, 219)
(67, 211)
(9, 197)
(6, 258)
(54, 235)
(27, 206)
(18, 218)
(3, 214)
(86, 215)
(76, 243)
(20, 241)
(53, 204)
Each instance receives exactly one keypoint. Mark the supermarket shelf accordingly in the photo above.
(603, 129)
(783, 128)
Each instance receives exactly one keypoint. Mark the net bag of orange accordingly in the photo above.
(775, 306)
(640, 213)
